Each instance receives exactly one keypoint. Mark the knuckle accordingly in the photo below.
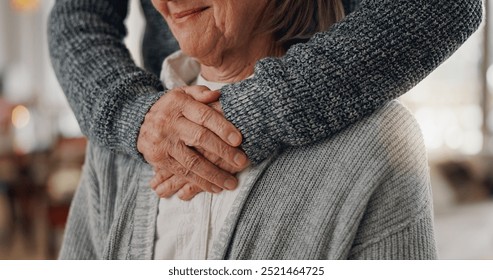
(155, 154)
(201, 136)
(173, 94)
(205, 114)
(192, 161)
(175, 97)
(181, 171)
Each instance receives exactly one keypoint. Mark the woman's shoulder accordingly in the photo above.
(388, 141)
(391, 130)
(387, 134)
(397, 131)
(391, 120)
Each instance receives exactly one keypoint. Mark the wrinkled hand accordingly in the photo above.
(165, 184)
(175, 129)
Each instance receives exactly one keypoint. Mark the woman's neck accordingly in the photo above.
(238, 64)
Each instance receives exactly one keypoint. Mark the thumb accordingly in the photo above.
(202, 94)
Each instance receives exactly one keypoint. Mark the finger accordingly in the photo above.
(217, 106)
(179, 170)
(207, 117)
(195, 165)
(188, 192)
(200, 137)
(202, 93)
(169, 187)
(219, 162)
(159, 177)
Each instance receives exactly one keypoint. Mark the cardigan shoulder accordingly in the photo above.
(350, 191)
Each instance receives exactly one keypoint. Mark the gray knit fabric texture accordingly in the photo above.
(380, 51)
(363, 194)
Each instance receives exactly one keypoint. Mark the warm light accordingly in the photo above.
(20, 116)
(24, 5)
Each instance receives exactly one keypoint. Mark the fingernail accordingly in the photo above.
(240, 159)
(216, 189)
(212, 91)
(234, 139)
(230, 184)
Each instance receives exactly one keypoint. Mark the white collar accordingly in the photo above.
(180, 70)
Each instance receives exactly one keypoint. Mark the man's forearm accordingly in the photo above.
(108, 93)
(376, 54)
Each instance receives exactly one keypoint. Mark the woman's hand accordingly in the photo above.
(165, 184)
(178, 124)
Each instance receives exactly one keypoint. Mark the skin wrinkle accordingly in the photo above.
(228, 46)
(227, 42)
(227, 38)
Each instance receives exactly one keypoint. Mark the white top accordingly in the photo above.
(188, 229)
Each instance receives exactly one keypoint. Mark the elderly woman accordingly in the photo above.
(363, 194)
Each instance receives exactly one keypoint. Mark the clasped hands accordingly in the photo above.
(190, 144)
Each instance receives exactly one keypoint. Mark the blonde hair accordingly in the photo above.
(296, 21)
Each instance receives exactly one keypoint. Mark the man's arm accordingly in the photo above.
(112, 97)
(109, 94)
(376, 54)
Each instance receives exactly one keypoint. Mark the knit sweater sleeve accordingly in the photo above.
(413, 242)
(108, 93)
(376, 54)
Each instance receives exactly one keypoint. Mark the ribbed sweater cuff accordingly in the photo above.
(244, 106)
(132, 115)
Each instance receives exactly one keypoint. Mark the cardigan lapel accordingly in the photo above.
(221, 244)
(144, 219)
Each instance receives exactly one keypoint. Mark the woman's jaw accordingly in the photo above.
(220, 34)
(229, 66)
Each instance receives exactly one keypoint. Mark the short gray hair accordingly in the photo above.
(296, 21)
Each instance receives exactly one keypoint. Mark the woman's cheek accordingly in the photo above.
(161, 6)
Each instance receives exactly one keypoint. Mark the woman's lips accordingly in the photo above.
(189, 12)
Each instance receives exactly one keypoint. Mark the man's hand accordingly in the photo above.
(178, 124)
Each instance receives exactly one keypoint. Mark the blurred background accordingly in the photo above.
(42, 149)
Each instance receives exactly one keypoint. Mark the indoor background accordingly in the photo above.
(42, 149)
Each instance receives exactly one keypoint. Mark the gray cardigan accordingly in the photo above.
(380, 51)
(362, 194)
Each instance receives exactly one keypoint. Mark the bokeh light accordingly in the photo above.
(24, 5)
(20, 117)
